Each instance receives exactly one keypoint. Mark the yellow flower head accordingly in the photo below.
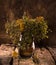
(15, 54)
(20, 23)
(40, 18)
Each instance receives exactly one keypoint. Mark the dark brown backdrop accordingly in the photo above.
(46, 8)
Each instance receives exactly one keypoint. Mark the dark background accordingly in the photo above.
(46, 8)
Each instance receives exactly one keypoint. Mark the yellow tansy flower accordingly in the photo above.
(20, 23)
(40, 18)
(14, 54)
